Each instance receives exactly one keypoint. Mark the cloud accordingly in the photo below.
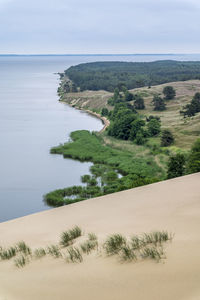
(100, 26)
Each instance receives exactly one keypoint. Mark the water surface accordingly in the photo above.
(32, 121)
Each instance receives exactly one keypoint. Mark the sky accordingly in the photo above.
(99, 26)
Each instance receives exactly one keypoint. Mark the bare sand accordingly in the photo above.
(173, 205)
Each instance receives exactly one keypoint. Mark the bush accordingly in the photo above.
(193, 164)
(159, 104)
(167, 138)
(169, 92)
(154, 127)
(176, 166)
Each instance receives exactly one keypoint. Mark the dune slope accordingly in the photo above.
(173, 205)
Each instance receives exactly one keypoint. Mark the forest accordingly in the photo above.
(109, 75)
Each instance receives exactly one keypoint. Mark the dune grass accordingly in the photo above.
(68, 237)
(21, 261)
(74, 255)
(114, 244)
(54, 251)
(138, 247)
(39, 253)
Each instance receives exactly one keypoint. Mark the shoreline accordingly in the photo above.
(104, 120)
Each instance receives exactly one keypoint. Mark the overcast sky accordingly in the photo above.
(99, 26)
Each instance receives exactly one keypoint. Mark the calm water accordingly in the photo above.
(32, 121)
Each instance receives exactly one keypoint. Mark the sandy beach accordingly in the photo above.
(172, 205)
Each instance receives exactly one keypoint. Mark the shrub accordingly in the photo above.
(153, 127)
(169, 92)
(176, 166)
(167, 138)
(159, 104)
(193, 164)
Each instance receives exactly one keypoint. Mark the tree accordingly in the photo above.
(167, 138)
(176, 166)
(193, 107)
(136, 126)
(128, 96)
(169, 92)
(193, 164)
(159, 104)
(153, 127)
(104, 111)
(140, 139)
(139, 103)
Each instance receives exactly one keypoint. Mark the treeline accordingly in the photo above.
(109, 75)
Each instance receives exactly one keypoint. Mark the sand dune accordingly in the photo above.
(173, 205)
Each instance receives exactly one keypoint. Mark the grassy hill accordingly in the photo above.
(185, 130)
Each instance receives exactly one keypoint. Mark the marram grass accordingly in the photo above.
(142, 247)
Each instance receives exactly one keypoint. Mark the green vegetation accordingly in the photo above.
(176, 166)
(159, 103)
(193, 107)
(68, 237)
(109, 75)
(138, 247)
(114, 244)
(193, 162)
(169, 92)
(74, 255)
(167, 138)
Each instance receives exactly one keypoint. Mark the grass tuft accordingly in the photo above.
(114, 244)
(74, 255)
(54, 251)
(127, 254)
(152, 253)
(22, 247)
(67, 237)
(39, 253)
(21, 261)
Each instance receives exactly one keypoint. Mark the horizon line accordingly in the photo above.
(94, 54)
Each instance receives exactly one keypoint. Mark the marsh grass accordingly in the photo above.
(74, 255)
(114, 244)
(68, 237)
(54, 251)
